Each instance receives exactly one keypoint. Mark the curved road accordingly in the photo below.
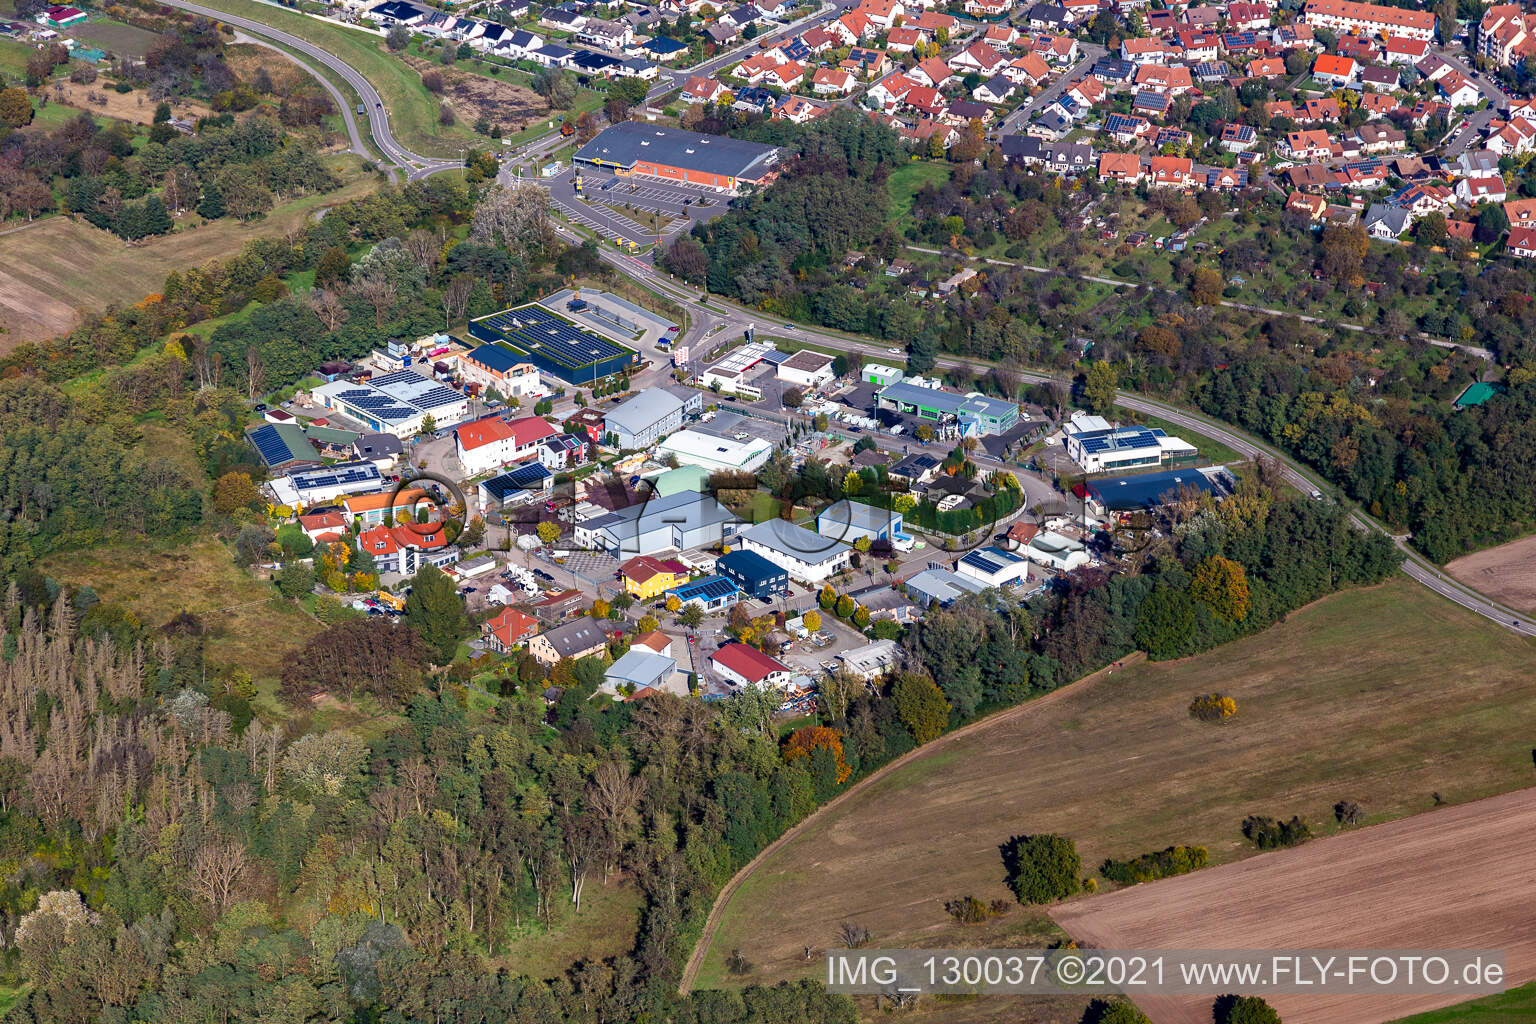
(723, 316)
(719, 316)
(413, 164)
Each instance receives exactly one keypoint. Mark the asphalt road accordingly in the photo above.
(1014, 122)
(412, 164)
(720, 316)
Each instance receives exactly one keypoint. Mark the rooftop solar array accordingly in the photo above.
(274, 449)
(534, 330)
(1121, 439)
(1122, 123)
(339, 475)
(991, 560)
(710, 588)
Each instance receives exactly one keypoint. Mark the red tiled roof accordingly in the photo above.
(483, 432)
(747, 662)
(511, 626)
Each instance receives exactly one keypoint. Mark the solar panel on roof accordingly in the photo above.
(709, 588)
(270, 444)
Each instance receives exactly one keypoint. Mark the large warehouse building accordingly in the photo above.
(673, 154)
(555, 345)
(396, 403)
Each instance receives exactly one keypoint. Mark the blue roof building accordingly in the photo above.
(753, 574)
(712, 593)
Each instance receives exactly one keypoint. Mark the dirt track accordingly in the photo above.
(1460, 877)
(1506, 573)
(717, 911)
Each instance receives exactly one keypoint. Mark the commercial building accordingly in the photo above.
(993, 567)
(970, 415)
(555, 345)
(805, 555)
(848, 521)
(644, 419)
(673, 154)
(303, 487)
(1054, 551)
(711, 594)
(646, 577)
(742, 665)
(677, 522)
(517, 486)
(753, 574)
(282, 445)
(711, 452)
(873, 660)
(392, 506)
(807, 369)
(1097, 446)
(581, 638)
(397, 403)
(493, 442)
(1143, 491)
(501, 369)
(940, 586)
(880, 374)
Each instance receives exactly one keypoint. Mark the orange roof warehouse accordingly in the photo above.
(673, 154)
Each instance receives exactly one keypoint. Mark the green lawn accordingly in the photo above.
(907, 181)
(412, 109)
(1210, 451)
(13, 60)
(1516, 1005)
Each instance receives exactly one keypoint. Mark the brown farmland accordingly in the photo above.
(1506, 573)
(1459, 877)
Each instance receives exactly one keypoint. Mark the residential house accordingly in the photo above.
(1521, 242)
(978, 58)
(1237, 138)
(1387, 222)
(1333, 70)
(1521, 213)
(1168, 81)
(1458, 90)
(995, 90)
(581, 638)
(404, 549)
(1475, 191)
(798, 110)
(932, 72)
(507, 629)
(1379, 79)
(1312, 144)
(492, 442)
(832, 82)
(1248, 17)
(1171, 171)
(905, 40)
(1124, 167)
(1030, 70)
(1506, 35)
(1402, 50)
(1310, 206)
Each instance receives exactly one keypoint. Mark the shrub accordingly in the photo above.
(1347, 812)
(967, 910)
(1041, 868)
(853, 936)
(1212, 707)
(1243, 1010)
(1269, 834)
(1175, 860)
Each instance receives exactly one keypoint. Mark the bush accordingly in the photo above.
(1176, 860)
(967, 910)
(1243, 1010)
(1269, 834)
(1041, 868)
(1212, 707)
(1347, 812)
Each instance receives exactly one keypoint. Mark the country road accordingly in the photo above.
(719, 315)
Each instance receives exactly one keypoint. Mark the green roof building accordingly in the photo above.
(1477, 394)
(684, 478)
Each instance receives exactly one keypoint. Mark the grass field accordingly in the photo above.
(606, 926)
(53, 269)
(905, 183)
(412, 109)
(1415, 883)
(114, 37)
(1382, 696)
(1213, 452)
(1517, 1006)
(156, 581)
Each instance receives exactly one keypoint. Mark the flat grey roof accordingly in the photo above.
(648, 407)
(624, 144)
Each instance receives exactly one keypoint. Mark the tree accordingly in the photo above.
(691, 615)
(398, 38)
(15, 107)
(434, 610)
(1099, 386)
(1205, 286)
(295, 579)
(1042, 868)
(1244, 1010)
(793, 398)
(920, 705)
(1344, 249)
(236, 491)
(803, 743)
(548, 532)
(1222, 585)
(827, 597)
(1119, 1011)
(812, 620)
(1491, 225)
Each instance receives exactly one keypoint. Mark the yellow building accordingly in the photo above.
(647, 577)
